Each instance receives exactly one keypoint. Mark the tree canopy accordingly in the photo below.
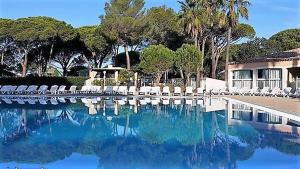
(156, 60)
(124, 23)
(287, 39)
(189, 60)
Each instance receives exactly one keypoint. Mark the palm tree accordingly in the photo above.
(194, 17)
(233, 10)
(190, 17)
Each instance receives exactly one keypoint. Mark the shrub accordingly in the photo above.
(125, 76)
(67, 81)
(108, 82)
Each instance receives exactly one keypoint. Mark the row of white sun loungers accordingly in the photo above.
(275, 92)
(34, 89)
(144, 90)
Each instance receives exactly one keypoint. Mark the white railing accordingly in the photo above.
(269, 83)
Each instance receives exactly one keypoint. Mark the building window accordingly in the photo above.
(269, 78)
(242, 78)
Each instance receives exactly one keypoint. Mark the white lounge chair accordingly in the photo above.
(95, 89)
(115, 89)
(264, 91)
(72, 90)
(275, 92)
(286, 92)
(244, 91)
(5, 89)
(53, 89)
(253, 91)
(43, 89)
(223, 91)
(21, 89)
(166, 91)
(144, 90)
(215, 91)
(233, 90)
(177, 91)
(122, 90)
(85, 89)
(31, 89)
(61, 90)
(189, 91)
(155, 90)
(200, 91)
(108, 90)
(132, 90)
(297, 93)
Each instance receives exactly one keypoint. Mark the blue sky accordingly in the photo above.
(266, 16)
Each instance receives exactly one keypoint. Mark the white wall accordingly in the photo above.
(214, 84)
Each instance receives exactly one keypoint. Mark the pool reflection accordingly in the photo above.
(140, 133)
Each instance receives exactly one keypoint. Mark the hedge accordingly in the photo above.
(67, 81)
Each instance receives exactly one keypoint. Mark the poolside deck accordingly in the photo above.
(288, 105)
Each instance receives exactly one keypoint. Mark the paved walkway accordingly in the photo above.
(287, 105)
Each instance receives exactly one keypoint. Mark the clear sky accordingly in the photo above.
(266, 16)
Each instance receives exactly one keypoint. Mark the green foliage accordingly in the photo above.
(5, 28)
(156, 59)
(108, 82)
(68, 81)
(41, 29)
(286, 40)
(243, 31)
(98, 45)
(189, 59)
(124, 21)
(120, 59)
(126, 75)
(163, 26)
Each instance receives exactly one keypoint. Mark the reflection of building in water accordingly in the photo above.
(214, 104)
(261, 120)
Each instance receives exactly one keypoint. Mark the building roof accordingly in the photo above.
(293, 54)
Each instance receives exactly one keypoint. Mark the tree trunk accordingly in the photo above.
(196, 41)
(158, 76)
(213, 59)
(50, 55)
(181, 74)
(101, 62)
(127, 57)
(198, 78)
(227, 55)
(65, 72)
(187, 79)
(24, 65)
(40, 63)
(2, 57)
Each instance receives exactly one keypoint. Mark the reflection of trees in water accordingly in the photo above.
(166, 136)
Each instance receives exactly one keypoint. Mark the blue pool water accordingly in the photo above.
(128, 133)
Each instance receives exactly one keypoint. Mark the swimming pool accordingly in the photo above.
(144, 133)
